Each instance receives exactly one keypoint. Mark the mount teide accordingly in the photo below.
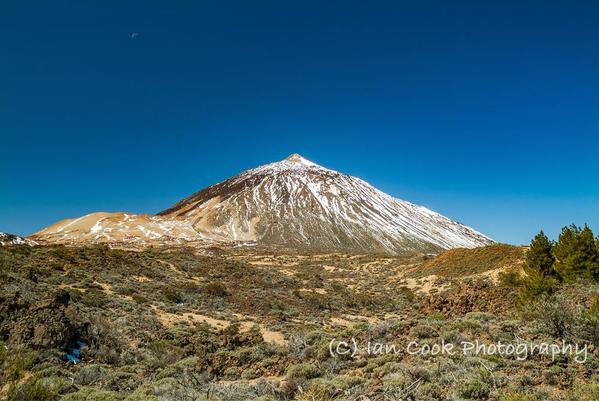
(293, 203)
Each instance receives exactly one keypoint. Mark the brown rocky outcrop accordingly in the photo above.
(471, 296)
(53, 323)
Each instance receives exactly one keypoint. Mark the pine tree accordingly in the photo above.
(541, 278)
(564, 251)
(535, 286)
(576, 253)
(587, 253)
(539, 257)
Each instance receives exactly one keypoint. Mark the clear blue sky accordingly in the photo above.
(487, 112)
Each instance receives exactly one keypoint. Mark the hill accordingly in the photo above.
(461, 262)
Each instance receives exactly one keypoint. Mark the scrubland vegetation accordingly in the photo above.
(235, 324)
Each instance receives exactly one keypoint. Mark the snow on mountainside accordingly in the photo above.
(135, 229)
(11, 239)
(293, 203)
(299, 203)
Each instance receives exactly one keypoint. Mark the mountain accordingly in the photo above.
(293, 203)
(11, 239)
(301, 204)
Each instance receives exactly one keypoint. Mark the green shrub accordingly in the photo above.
(172, 294)
(232, 329)
(594, 308)
(423, 330)
(535, 286)
(465, 324)
(420, 372)
(435, 316)
(558, 316)
(106, 344)
(90, 374)
(232, 373)
(510, 278)
(517, 397)
(140, 299)
(94, 297)
(474, 389)
(303, 371)
(328, 389)
(216, 288)
(88, 394)
(15, 363)
(315, 394)
(163, 353)
(38, 389)
(249, 374)
(428, 392)
(584, 391)
(407, 293)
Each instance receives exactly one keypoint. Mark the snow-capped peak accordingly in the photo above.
(294, 164)
(297, 158)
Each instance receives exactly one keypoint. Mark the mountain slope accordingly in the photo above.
(301, 204)
(134, 229)
(292, 203)
(11, 239)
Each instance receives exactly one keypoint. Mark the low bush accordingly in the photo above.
(594, 308)
(536, 286)
(474, 390)
(558, 316)
(510, 278)
(89, 394)
(517, 397)
(216, 289)
(140, 299)
(38, 389)
(303, 371)
(15, 363)
(172, 294)
(163, 353)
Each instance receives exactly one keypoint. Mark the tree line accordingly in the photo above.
(573, 257)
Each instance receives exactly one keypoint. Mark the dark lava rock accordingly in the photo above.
(53, 323)
(478, 296)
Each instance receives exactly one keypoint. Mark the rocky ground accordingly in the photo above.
(247, 324)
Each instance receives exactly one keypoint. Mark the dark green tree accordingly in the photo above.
(587, 253)
(541, 278)
(576, 254)
(564, 251)
(535, 286)
(539, 257)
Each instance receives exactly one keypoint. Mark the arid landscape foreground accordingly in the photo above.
(93, 323)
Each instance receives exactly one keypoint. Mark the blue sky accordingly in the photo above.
(487, 112)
